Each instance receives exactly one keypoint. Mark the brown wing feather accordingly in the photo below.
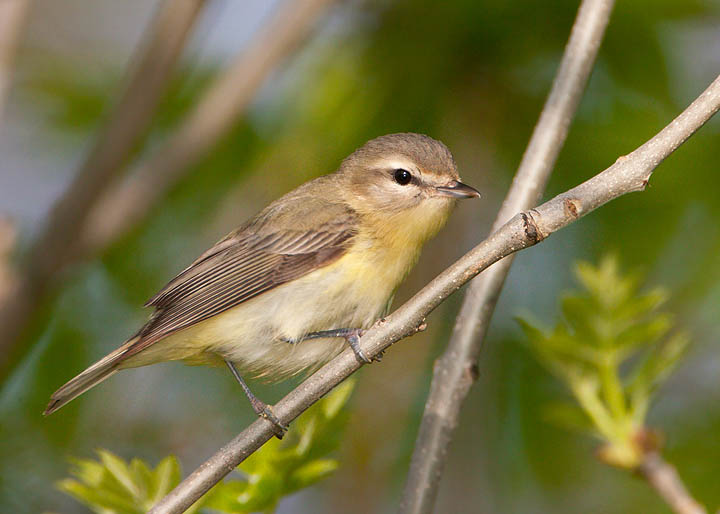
(242, 266)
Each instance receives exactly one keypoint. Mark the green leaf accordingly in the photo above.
(594, 279)
(657, 365)
(279, 468)
(601, 329)
(120, 471)
(310, 473)
(532, 329)
(165, 477)
(644, 333)
(264, 491)
(604, 282)
(228, 496)
(307, 433)
(99, 499)
(568, 416)
(258, 460)
(112, 486)
(337, 399)
(579, 313)
(88, 471)
(644, 304)
(559, 351)
(141, 472)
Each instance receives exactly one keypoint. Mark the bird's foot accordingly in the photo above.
(351, 335)
(279, 428)
(261, 408)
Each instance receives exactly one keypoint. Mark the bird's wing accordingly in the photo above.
(247, 263)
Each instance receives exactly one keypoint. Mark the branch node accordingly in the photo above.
(639, 184)
(533, 234)
(648, 440)
(473, 372)
(573, 207)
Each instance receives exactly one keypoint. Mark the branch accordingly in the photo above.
(453, 373)
(128, 202)
(12, 19)
(56, 246)
(663, 477)
(8, 241)
(628, 174)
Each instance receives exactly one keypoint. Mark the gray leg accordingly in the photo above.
(351, 335)
(261, 408)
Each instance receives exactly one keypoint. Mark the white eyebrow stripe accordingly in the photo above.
(424, 176)
(397, 163)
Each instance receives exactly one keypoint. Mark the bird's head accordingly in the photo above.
(405, 178)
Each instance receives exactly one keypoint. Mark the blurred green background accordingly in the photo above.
(472, 73)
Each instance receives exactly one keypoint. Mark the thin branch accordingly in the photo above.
(628, 174)
(453, 372)
(8, 240)
(128, 202)
(56, 246)
(12, 19)
(663, 477)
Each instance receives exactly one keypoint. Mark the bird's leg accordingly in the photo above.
(261, 408)
(351, 335)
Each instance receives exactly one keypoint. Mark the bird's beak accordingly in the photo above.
(457, 189)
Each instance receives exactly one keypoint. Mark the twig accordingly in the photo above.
(453, 372)
(56, 246)
(8, 239)
(628, 174)
(128, 202)
(12, 19)
(663, 477)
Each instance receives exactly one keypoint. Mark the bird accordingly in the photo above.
(287, 290)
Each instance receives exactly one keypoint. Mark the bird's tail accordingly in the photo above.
(91, 377)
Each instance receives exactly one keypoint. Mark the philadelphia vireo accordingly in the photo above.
(286, 290)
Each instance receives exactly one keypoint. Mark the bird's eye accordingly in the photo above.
(402, 177)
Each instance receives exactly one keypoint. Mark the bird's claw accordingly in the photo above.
(278, 427)
(353, 339)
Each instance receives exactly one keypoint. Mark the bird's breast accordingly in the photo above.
(375, 271)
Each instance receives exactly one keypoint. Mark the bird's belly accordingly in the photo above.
(257, 334)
